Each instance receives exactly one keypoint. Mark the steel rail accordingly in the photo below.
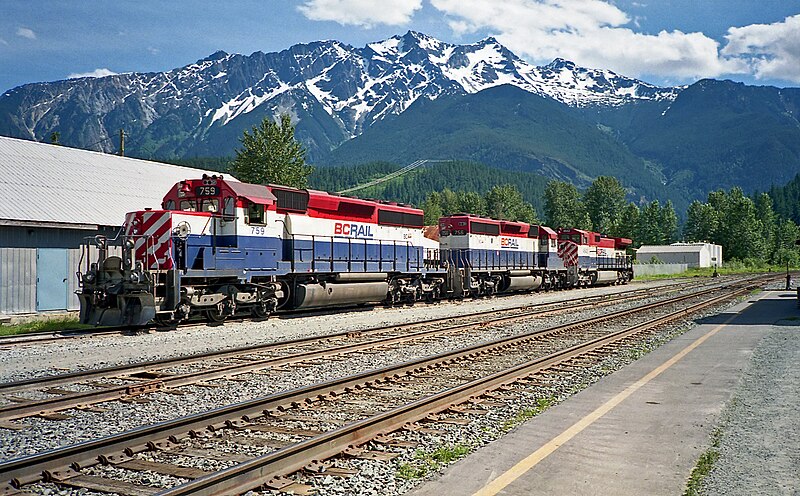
(259, 471)
(129, 369)
(16, 411)
(63, 462)
(42, 337)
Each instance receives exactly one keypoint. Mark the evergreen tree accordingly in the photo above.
(450, 202)
(271, 154)
(650, 229)
(701, 222)
(668, 223)
(433, 209)
(604, 201)
(629, 223)
(505, 202)
(783, 249)
(471, 202)
(563, 207)
(766, 215)
(739, 229)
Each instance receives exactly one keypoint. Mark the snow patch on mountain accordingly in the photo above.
(356, 87)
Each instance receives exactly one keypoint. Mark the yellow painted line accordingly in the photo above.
(537, 456)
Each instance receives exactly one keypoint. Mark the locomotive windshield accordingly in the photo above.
(575, 238)
(200, 205)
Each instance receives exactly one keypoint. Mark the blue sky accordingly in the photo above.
(661, 41)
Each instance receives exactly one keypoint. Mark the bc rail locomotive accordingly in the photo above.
(219, 247)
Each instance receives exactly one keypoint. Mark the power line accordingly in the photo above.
(391, 175)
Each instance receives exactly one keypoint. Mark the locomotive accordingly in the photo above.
(219, 247)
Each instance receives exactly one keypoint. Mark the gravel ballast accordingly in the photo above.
(375, 478)
(41, 434)
(759, 435)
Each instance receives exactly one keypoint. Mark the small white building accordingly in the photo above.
(691, 254)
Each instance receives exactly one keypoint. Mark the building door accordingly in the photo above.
(51, 279)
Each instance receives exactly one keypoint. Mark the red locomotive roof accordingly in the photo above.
(256, 193)
(515, 229)
(597, 239)
(545, 232)
(471, 223)
(621, 243)
(320, 204)
(215, 187)
(308, 202)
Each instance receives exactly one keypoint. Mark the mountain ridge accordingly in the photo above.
(185, 111)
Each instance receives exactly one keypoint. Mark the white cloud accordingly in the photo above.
(771, 50)
(364, 13)
(97, 73)
(153, 50)
(26, 33)
(3, 42)
(591, 33)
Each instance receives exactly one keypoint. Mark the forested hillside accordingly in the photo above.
(787, 199)
(505, 128)
(716, 134)
(415, 186)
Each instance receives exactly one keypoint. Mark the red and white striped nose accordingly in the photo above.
(152, 242)
(568, 252)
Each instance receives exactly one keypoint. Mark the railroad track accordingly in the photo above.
(340, 416)
(86, 389)
(36, 338)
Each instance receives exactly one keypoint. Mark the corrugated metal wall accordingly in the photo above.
(18, 250)
(17, 280)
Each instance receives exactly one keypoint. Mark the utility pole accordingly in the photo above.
(121, 142)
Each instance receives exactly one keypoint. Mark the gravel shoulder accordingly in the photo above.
(759, 447)
(42, 434)
(95, 352)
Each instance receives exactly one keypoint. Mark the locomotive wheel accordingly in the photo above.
(216, 313)
(165, 321)
(260, 310)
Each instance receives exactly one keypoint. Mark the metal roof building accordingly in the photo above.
(51, 198)
(692, 254)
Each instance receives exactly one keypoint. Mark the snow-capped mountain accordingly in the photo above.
(332, 90)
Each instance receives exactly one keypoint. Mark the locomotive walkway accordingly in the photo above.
(637, 431)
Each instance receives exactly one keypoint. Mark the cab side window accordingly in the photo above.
(229, 209)
(255, 214)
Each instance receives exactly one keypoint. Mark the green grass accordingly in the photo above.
(542, 404)
(704, 465)
(734, 268)
(56, 324)
(425, 462)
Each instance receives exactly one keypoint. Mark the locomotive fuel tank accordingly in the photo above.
(523, 283)
(328, 294)
(605, 277)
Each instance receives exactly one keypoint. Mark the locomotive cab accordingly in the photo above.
(188, 257)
